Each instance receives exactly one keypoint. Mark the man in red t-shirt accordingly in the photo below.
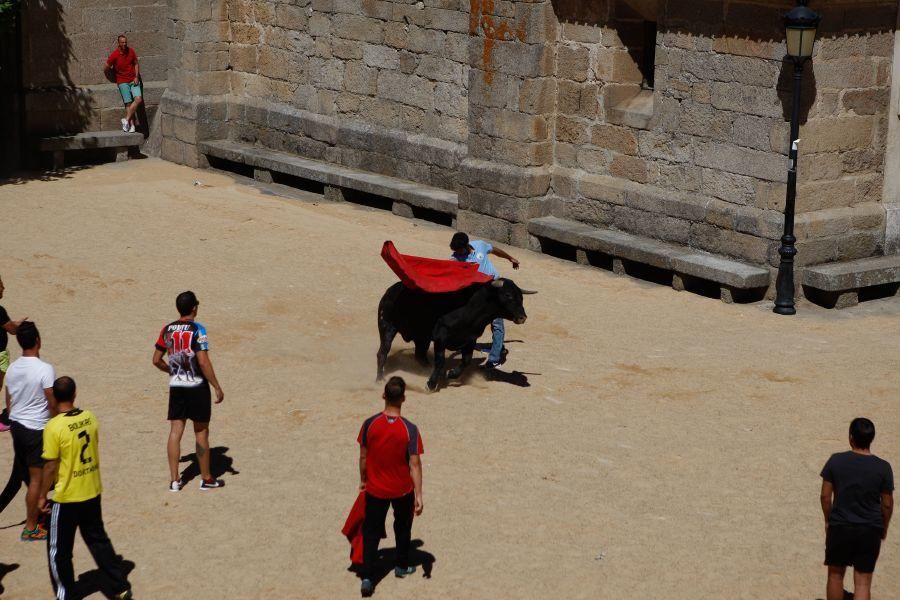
(123, 65)
(390, 472)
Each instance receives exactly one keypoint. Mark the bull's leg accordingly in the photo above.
(438, 370)
(422, 350)
(386, 332)
(465, 361)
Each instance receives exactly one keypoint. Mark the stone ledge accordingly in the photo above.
(837, 285)
(734, 277)
(91, 139)
(414, 194)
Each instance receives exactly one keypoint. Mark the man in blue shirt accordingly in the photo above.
(477, 251)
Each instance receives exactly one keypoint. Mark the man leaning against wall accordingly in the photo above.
(123, 65)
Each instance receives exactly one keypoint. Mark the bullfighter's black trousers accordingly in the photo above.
(87, 516)
(376, 512)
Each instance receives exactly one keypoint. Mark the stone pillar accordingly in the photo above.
(891, 191)
(505, 178)
(193, 108)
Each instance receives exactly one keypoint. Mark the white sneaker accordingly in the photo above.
(125, 125)
(131, 128)
(175, 486)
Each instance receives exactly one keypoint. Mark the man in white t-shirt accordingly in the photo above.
(29, 398)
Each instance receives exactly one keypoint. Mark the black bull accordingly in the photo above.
(453, 320)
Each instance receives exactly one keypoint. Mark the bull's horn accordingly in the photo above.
(529, 291)
(497, 283)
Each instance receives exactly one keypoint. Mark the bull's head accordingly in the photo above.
(510, 298)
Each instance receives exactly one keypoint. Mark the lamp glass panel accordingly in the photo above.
(794, 39)
(806, 45)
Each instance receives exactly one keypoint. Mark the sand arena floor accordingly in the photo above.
(666, 445)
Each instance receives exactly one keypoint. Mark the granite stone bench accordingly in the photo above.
(737, 281)
(119, 141)
(838, 285)
(406, 195)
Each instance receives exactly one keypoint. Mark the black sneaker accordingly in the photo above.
(211, 484)
(126, 595)
(367, 588)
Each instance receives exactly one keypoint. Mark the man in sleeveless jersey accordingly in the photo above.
(190, 374)
(390, 472)
(72, 455)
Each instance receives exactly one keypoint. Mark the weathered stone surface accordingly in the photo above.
(334, 175)
(528, 182)
(650, 252)
(853, 275)
(97, 139)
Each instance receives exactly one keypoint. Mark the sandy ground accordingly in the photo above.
(664, 445)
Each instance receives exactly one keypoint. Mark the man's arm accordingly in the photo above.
(51, 469)
(51, 401)
(415, 470)
(12, 326)
(887, 509)
(502, 254)
(137, 71)
(362, 467)
(210, 374)
(158, 361)
(826, 499)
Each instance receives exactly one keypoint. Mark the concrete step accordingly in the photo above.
(837, 285)
(738, 281)
(335, 176)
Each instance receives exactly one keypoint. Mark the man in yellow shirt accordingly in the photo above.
(73, 462)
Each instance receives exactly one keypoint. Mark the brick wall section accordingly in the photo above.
(65, 48)
(718, 134)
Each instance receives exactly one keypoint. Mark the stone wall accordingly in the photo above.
(66, 45)
(542, 107)
(373, 84)
(700, 160)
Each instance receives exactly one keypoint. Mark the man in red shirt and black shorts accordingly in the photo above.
(123, 65)
(390, 472)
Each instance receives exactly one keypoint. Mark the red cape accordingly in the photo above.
(431, 274)
(353, 529)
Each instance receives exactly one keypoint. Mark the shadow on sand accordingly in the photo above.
(219, 464)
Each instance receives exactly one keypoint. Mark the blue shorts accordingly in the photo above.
(129, 92)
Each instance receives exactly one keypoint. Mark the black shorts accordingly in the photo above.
(853, 545)
(28, 444)
(194, 403)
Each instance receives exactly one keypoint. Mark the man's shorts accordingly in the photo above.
(853, 545)
(129, 92)
(4, 361)
(194, 403)
(28, 444)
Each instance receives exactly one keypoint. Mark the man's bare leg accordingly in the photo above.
(131, 109)
(201, 431)
(862, 585)
(31, 497)
(835, 589)
(174, 447)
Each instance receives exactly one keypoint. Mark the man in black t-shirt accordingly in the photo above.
(857, 501)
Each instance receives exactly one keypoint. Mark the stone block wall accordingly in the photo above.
(380, 85)
(710, 141)
(65, 47)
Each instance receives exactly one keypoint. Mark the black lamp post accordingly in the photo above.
(800, 27)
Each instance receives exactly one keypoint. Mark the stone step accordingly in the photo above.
(91, 139)
(838, 284)
(735, 278)
(336, 176)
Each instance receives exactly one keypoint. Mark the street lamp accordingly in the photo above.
(800, 30)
